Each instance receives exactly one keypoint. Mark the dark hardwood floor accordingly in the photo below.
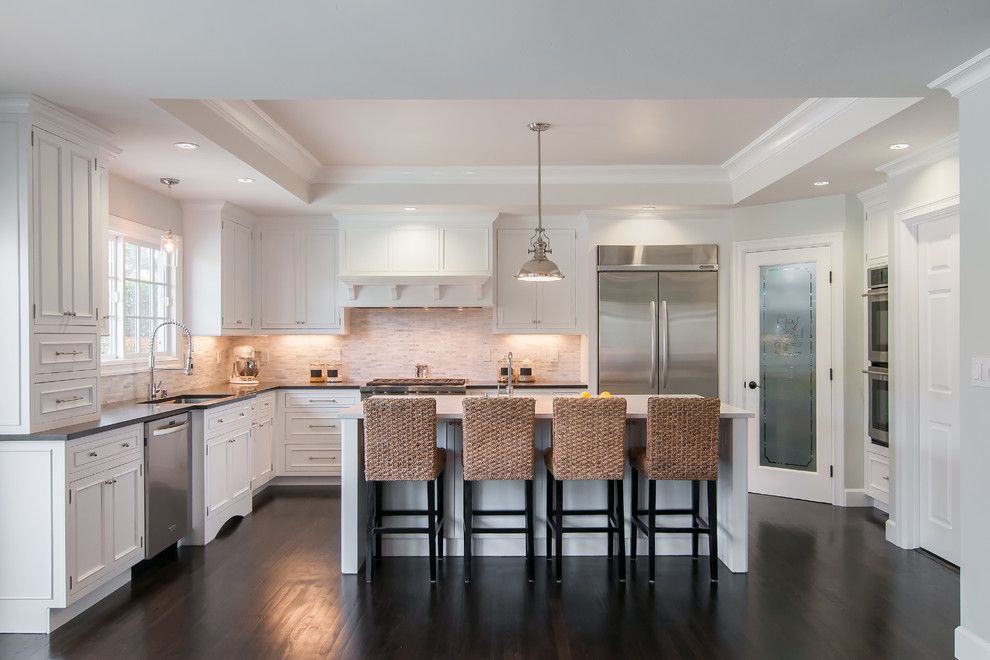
(823, 584)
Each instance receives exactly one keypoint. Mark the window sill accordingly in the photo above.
(136, 366)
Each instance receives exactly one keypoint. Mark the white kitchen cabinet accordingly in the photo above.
(228, 462)
(876, 234)
(236, 275)
(65, 206)
(535, 307)
(298, 273)
(878, 477)
(262, 460)
(307, 441)
(105, 525)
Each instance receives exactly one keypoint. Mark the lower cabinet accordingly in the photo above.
(878, 477)
(308, 442)
(228, 463)
(105, 525)
(262, 459)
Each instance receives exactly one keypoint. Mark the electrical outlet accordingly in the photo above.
(486, 354)
(554, 354)
(219, 356)
(335, 355)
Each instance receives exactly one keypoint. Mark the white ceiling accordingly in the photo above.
(492, 133)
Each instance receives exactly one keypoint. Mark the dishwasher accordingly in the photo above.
(167, 483)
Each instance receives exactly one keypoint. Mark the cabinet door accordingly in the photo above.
(80, 286)
(235, 276)
(280, 284)
(48, 239)
(126, 509)
(318, 269)
(875, 235)
(217, 488)
(89, 555)
(365, 251)
(556, 300)
(414, 250)
(515, 301)
(261, 453)
(239, 464)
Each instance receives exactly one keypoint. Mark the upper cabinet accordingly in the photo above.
(298, 287)
(535, 307)
(218, 269)
(876, 225)
(65, 204)
(440, 261)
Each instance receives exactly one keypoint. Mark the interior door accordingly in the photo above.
(688, 333)
(788, 354)
(938, 398)
(627, 332)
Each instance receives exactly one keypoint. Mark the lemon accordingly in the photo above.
(606, 395)
(585, 395)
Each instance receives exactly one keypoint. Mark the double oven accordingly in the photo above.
(877, 336)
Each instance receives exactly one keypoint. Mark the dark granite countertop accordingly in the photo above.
(117, 415)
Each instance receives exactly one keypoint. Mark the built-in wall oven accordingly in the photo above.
(876, 315)
(879, 412)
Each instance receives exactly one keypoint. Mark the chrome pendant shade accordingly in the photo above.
(540, 268)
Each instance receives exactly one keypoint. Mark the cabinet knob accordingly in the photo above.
(125, 444)
(93, 453)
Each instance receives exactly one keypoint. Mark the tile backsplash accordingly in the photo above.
(382, 343)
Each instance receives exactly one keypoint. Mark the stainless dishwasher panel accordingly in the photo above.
(167, 501)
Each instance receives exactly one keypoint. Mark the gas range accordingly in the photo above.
(398, 386)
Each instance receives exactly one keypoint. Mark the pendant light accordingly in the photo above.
(170, 242)
(540, 268)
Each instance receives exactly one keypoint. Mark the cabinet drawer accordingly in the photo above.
(311, 427)
(56, 353)
(319, 399)
(263, 406)
(93, 451)
(220, 420)
(309, 459)
(64, 399)
(878, 477)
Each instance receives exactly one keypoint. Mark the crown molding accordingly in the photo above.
(67, 123)
(873, 197)
(267, 134)
(944, 148)
(966, 76)
(525, 174)
(673, 213)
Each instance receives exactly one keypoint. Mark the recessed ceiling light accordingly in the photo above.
(822, 182)
(187, 145)
(245, 179)
(649, 208)
(900, 145)
(410, 208)
(469, 172)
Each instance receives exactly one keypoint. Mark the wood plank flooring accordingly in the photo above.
(823, 584)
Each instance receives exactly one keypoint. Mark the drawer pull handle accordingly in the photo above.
(322, 426)
(70, 399)
(886, 478)
(323, 400)
(242, 413)
(68, 313)
(318, 458)
(125, 444)
(93, 453)
(169, 429)
(220, 420)
(61, 353)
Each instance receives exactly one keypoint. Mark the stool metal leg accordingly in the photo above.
(652, 540)
(713, 531)
(369, 547)
(559, 532)
(621, 525)
(549, 513)
(695, 512)
(610, 485)
(633, 508)
(530, 550)
(468, 519)
(379, 505)
(431, 524)
(440, 515)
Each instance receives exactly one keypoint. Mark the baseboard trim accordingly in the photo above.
(970, 646)
(855, 497)
(61, 616)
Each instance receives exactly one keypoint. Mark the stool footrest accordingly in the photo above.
(498, 530)
(403, 512)
(499, 512)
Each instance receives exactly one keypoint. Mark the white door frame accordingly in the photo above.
(737, 341)
(904, 525)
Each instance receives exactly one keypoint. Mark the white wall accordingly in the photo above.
(136, 203)
(974, 146)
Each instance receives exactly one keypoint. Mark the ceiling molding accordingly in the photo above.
(525, 174)
(71, 125)
(966, 76)
(683, 213)
(259, 127)
(873, 197)
(947, 147)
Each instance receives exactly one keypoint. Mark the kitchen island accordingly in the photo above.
(732, 490)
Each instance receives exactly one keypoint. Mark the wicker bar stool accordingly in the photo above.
(589, 442)
(400, 444)
(499, 445)
(681, 444)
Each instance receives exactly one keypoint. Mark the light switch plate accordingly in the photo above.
(554, 355)
(980, 371)
(335, 355)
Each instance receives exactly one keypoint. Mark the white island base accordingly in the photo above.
(732, 493)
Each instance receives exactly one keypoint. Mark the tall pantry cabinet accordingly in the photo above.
(53, 215)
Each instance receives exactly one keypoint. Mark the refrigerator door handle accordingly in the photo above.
(653, 344)
(665, 323)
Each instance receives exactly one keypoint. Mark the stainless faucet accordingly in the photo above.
(508, 386)
(156, 390)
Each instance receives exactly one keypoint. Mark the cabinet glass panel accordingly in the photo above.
(787, 367)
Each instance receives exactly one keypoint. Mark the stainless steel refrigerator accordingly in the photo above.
(658, 319)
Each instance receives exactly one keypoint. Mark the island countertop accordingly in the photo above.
(449, 407)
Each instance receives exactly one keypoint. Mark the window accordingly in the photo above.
(142, 293)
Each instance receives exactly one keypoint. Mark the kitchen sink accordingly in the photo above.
(189, 398)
